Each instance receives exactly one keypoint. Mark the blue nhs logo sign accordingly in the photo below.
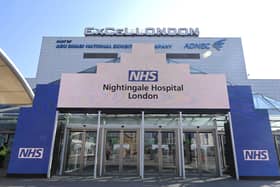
(31, 153)
(256, 155)
(143, 75)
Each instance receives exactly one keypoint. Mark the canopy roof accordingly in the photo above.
(14, 89)
(264, 102)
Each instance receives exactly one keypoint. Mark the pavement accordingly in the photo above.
(152, 181)
(56, 181)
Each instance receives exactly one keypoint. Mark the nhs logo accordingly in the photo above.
(31, 153)
(256, 155)
(143, 75)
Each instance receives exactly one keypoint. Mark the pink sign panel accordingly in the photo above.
(143, 79)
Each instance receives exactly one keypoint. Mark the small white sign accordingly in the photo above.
(256, 155)
(31, 153)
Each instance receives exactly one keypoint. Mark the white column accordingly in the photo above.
(179, 148)
(233, 147)
(96, 144)
(182, 146)
(63, 146)
(102, 149)
(52, 145)
(142, 146)
(219, 152)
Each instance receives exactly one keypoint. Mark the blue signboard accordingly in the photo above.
(34, 133)
(255, 151)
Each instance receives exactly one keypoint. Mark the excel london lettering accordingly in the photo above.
(149, 31)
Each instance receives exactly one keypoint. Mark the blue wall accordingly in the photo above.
(35, 130)
(252, 131)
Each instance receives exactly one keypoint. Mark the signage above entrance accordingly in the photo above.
(143, 79)
(149, 31)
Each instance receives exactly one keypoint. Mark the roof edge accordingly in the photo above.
(17, 73)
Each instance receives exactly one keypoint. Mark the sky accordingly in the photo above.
(25, 22)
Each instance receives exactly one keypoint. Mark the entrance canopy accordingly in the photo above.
(14, 89)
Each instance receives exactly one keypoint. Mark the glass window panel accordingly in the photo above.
(121, 119)
(162, 120)
(83, 119)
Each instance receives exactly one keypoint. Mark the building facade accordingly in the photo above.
(147, 105)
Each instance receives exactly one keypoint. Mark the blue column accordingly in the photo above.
(254, 145)
(33, 137)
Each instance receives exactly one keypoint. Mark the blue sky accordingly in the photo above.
(25, 22)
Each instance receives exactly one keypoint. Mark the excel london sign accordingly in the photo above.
(148, 31)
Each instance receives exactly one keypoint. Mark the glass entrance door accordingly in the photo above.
(121, 152)
(159, 152)
(80, 154)
(200, 153)
(277, 145)
(190, 152)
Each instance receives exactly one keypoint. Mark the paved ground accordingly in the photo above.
(56, 181)
(135, 182)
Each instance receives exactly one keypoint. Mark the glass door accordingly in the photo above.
(121, 153)
(151, 155)
(159, 152)
(130, 152)
(208, 156)
(168, 152)
(277, 145)
(112, 151)
(80, 154)
(89, 153)
(200, 153)
(190, 153)
(222, 142)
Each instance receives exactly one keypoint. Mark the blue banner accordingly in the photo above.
(254, 145)
(34, 133)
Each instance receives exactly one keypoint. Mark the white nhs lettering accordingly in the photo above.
(142, 75)
(256, 155)
(31, 153)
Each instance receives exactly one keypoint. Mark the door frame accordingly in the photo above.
(121, 130)
(221, 139)
(159, 130)
(274, 135)
(67, 130)
(214, 132)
